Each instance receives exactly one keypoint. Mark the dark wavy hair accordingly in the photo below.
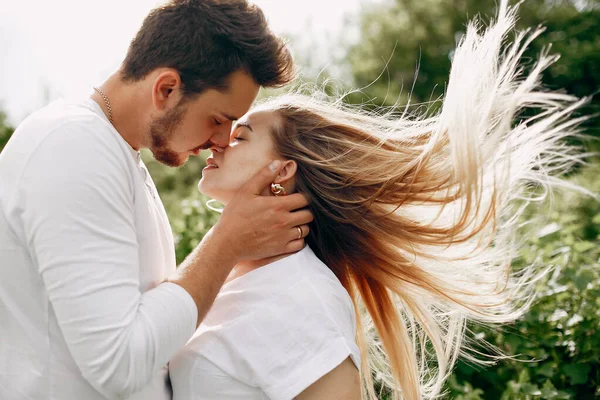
(206, 41)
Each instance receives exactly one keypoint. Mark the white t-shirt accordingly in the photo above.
(84, 246)
(270, 334)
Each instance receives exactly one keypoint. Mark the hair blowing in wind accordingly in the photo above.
(418, 216)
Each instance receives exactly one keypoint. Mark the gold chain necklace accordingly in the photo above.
(106, 103)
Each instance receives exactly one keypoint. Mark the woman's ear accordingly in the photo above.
(288, 171)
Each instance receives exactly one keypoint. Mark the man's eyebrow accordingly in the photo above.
(229, 117)
(245, 124)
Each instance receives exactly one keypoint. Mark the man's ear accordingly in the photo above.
(166, 89)
(288, 171)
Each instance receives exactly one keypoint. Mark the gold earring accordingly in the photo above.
(277, 189)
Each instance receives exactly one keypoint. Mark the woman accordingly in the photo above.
(415, 228)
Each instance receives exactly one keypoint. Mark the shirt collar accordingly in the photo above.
(137, 156)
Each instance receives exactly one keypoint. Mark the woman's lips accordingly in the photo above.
(211, 164)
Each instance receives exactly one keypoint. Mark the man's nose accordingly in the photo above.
(221, 137)
(215, 148)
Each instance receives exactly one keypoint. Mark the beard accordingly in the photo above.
(160, 133)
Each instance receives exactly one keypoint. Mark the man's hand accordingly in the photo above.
(259, 226)
(252, 227)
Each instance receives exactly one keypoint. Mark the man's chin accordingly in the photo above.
(170, 158)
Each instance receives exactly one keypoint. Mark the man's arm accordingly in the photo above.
(75, 203)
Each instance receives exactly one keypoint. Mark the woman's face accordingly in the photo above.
(250, 149)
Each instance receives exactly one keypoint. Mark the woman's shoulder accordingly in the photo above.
(321, 288)
(282, 328)
(293, 284)
(309, 273)
(297, 295)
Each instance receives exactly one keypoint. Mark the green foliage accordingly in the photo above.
(397, 36)
(5, 131)
(558, 340)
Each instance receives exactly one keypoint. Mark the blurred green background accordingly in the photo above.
(558, 342)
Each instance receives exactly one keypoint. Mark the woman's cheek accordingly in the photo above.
(238, 175)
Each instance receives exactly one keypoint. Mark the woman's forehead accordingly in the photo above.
(260, 119)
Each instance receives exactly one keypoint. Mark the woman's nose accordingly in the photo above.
(216, 148)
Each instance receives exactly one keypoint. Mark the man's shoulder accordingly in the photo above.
(66, 140)
(67, 127)
(62, 115)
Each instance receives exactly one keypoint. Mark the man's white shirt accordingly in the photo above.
(84, 246)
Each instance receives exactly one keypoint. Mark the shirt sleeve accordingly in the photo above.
(291, 342)
(75, 202)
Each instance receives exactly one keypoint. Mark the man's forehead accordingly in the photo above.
(229, 116)
(226, 105)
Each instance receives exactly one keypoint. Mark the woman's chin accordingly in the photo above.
(204, 188)
(210, 191)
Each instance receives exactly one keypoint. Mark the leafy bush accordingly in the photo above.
(558, 341)
(5, 131)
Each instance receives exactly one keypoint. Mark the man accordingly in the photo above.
(91, 306)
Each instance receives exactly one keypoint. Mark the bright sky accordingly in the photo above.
(53, 48)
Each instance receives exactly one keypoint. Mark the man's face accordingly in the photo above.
(202, 122)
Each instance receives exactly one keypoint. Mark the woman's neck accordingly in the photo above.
(245, 266)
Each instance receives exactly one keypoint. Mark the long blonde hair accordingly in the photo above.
(417, 216)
